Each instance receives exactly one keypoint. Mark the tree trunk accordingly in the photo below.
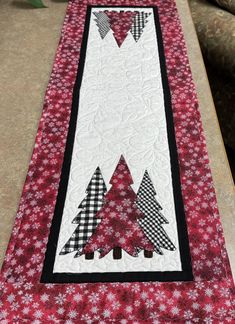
(148, 254)
(89, 256)
(117, 253)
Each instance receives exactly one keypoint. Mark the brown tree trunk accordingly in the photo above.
(148, 254)
(117, 253)
(89, 256)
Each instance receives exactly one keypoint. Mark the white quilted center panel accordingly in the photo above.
(121, 111)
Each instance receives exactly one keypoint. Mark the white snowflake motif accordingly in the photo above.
(94, 298)
(100, 239)
(38, 314)
(126, 202)
(188, 314)
(195, 306)
(149, 303)
(113, 215)
(123, 216)
(70, 290)
(176, 293)
(135, 288)
(106, 313)
(77, 297)
(15, 306)
(208, 292)
(11, 298)
(27, 298)
(60, 299)
(222, 312)
(72, 314)
(25, 310)
(162, 307)
(110, 296)
(94, 310)
(192, 294)
(175, 310)
(144, 295)
(119, 208)
(112, 203)
(44, 298)
(208, 308)
(108, 230)
(122, 240)
(115, 305)
(60, 310)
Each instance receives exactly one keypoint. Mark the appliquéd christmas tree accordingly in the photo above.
(119, 219)
(119, 228)
(86, 220)
(153, 220)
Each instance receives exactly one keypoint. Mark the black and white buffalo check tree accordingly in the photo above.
(86, 220)
(151, 224)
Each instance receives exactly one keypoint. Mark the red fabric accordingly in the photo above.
(119, 226)
(209, 299)
(120, 23)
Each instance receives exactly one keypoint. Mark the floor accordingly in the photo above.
(28, 39)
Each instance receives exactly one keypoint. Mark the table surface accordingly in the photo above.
(29, 39)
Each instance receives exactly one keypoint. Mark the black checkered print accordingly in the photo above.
(102, 22)
(85, 219)
(153, 219)
(140, 20)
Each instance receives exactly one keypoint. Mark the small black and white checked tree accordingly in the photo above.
(86, 220)
(152, 223)
(140, 21)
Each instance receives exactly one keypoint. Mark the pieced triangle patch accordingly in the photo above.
(120, 23)
(140, 21)
(102, 22)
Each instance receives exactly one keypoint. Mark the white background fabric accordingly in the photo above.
(121, 111)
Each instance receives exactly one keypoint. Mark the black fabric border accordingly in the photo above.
(186, 274)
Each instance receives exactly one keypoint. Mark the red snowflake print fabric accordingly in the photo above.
(120, 23)
(119, 218)
(209, 298)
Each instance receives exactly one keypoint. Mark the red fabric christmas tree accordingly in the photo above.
(119, 216)
(120, 23)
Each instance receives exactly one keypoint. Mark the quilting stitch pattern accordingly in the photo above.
(209, 299)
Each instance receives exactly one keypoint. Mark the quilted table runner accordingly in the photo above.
(118, 219)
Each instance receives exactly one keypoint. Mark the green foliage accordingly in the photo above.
(37, 3)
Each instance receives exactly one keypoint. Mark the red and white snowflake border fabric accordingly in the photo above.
(209, 299)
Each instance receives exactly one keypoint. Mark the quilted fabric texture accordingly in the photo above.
(117, 125)
(209, 296)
